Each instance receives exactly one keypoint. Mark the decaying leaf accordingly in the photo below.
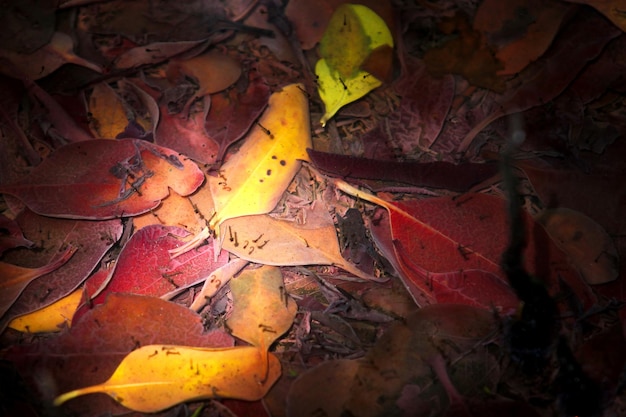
(264, 239)
(356, 38)
(263, 309)
(253, 180)
(156, 377)
(588, 246)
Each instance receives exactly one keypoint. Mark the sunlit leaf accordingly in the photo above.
(263, 310)
(354, 34)
(50, 318)
(264, 239)
(253, 180)
(156, 377)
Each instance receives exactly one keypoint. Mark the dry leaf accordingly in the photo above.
(156, 377)
(50, 318)
(263, 309)
(254, 179)
(266, 240)
(588, 246)
(108, 112)
(213, 71)
(13, 278)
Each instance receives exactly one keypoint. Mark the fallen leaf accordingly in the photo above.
(457, 243)
(186, 134)
(232, 112)
(27, 26)
(90, 351)
(588, 246)
(213, 71)
(613, 9)
(174, 210)
(16, 278)
(51, 318)
(354, 34)
(455, 177)
(100, 179)
(266, 240)
(108, 112)
(154, 53)
(520, 31)
(155, 377)
(93, 240)
(263, 311)
(253, 180)
(144, 266)
(45, 60)
(587, 33)
(11, 235)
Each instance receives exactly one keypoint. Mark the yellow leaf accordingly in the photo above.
(266, 240)
(155, 377)
(263, 311)
(50, 318)
(254, 179)
(108, 113)
(353, 33)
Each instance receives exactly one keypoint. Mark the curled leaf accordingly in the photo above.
(156, 377)
(254, 179)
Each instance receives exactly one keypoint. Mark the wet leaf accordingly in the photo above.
(354, 34)
(253, 180)
(589, 247)
(51, 318)
(263, 310)
(16, 278)
(156, 377)
(108, 112)
(264, 239)
(101, 179)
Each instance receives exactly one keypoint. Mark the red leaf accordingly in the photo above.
(428, 174)
(102, 179)
(11, 235)
(91, 350)
(93, 240)
(233, 113)
(450, 248)
(145, 267)
(186, 134)
(586, 35)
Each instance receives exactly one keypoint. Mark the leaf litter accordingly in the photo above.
(347, 307)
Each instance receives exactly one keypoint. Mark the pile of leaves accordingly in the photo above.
(312, 208)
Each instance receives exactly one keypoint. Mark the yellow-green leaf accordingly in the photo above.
(156, 377)
(254, 179)
(353, 33)
(263, 311)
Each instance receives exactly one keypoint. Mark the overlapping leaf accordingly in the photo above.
(101, 179)
(253, 180)
(270, 241)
